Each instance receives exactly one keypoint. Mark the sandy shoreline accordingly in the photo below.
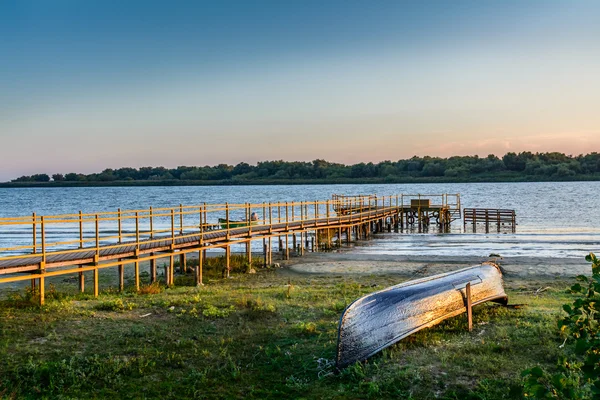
(414, 265)
(346, 263)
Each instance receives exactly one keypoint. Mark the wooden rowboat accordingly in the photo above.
(380, 319)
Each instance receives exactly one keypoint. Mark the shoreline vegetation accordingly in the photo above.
(512, 167)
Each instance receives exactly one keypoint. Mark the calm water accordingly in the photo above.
(554, 219)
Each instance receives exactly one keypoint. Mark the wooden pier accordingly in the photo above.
(501, 218)
(112, 239)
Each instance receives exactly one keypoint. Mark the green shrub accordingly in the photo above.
(578, 377)
(214, 312)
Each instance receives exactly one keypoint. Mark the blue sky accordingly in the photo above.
(97, 84)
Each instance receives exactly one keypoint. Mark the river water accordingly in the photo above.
(555, 219)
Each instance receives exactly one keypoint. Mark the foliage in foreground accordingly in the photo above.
(578, 376)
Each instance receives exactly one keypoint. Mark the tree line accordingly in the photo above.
(512, 166)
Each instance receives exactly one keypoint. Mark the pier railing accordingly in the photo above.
(72, 233)
(37, 247)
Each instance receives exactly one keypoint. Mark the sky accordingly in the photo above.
(95, 84)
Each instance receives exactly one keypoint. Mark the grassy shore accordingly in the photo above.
(266, 335)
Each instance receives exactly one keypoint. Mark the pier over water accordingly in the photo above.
(112, 239)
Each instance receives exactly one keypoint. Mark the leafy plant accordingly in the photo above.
(580, 377)
(214, 312)
(115, 305)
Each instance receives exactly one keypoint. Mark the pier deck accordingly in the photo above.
(110, 239)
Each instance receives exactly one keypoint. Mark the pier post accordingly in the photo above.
(227, 259)
(136, 268)
(81, 275)
(96, 284)
(264, 254)
(198, 270)
(294, 242)
(121, 269)
(171, 281)
(270, 251)
(182, 263)
(249, 252)
(339, 238)
(498, 220)
(152, 269)
(42, 290)
(287, 247)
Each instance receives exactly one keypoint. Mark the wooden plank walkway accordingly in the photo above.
(178, 242)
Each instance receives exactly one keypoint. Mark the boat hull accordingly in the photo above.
(380, 319)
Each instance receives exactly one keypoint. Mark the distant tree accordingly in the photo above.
(433, 169)
(41, 178)
(543, 165)
(24, 178)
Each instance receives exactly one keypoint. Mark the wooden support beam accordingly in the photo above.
(136, 272)
(227, 259)
(249, 252)
(42, 290)
(81, 281)
(198, 270)
(265, 254)
(96, 283)
(121, 270)
(171, 276)
(270, 252)
(152, 269)
(182, 263)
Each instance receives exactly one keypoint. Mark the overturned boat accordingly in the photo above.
(380, 319)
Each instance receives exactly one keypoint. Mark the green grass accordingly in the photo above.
(266, 335)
